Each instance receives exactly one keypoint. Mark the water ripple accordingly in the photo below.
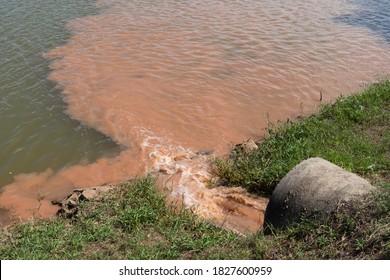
(29, 131)
(371, 14)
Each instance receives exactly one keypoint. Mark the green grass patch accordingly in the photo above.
(125, 225)
(357, 231)
(130, 222)
(353, 133)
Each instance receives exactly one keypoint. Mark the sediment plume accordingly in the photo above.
(177, 83)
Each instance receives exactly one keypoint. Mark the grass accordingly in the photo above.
(353, 133)
(130, 222)
(133, 221)
(358, 231)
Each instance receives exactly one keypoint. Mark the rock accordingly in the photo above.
(94, 193)
(68, 205)
(88, 194)
(313, 186)
(245, 147)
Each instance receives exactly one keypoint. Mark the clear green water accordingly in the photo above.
(35, 131)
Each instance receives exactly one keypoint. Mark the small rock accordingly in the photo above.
(89, 194)
(68, 205)
(246, 147)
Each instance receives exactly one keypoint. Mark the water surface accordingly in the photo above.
(35, 133)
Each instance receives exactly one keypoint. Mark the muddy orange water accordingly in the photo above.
(169, 80)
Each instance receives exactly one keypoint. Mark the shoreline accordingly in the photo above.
(135, 213)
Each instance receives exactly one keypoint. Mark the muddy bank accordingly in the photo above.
(185, 178)
(241, 212)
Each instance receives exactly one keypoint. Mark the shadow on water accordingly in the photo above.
(372, 14)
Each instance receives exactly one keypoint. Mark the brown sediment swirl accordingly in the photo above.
(171, 79)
